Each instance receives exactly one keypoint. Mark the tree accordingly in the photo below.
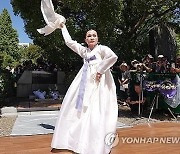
(124, 25)
(8, 40)
(138, 18)
(33, 52)
(178, 43)
(78, 21)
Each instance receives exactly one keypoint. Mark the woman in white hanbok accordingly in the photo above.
(89, 110)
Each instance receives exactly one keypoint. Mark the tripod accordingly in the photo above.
(141, 96)
(155, 101)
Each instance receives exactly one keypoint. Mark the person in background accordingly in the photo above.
(162, 65)
(175, 67)
(134, 64)
(148, 62)
(136, 96)
(124, 81)
(139, 67)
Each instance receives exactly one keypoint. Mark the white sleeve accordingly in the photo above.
(109, 58)
(73, 45)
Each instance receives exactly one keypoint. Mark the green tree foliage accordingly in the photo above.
(178, 44)
(8, 41)
(33, 52)
(7, 89)
(138, 18)
(9, 55)
(123, 25)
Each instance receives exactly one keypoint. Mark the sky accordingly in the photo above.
(17, 22)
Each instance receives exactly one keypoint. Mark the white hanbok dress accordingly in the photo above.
(84, 130)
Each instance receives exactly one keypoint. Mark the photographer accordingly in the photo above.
(149, 63)
(139, 67)
(162, 65)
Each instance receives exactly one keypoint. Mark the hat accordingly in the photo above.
(150, 56)
(160, 56)
(123, 64)
(134, 62)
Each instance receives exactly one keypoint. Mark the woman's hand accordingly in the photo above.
(98, 77)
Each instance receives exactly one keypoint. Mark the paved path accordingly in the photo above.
(41, 122)
(33, 123)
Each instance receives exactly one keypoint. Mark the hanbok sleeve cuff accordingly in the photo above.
(109, 58)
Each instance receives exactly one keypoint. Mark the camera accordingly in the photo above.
(139, 67)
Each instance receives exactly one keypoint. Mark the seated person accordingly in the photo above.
(135, 97)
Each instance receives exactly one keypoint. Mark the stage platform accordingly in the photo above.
(157, 138)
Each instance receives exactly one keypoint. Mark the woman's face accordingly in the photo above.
(91, 38)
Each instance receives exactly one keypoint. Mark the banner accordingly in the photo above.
(167, 84)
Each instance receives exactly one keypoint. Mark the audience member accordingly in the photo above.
(149, 63)
(124, 81)
(175, 67)
(136, 96)
(162, 65)
(139, 67)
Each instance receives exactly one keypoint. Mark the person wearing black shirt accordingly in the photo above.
(136, 96)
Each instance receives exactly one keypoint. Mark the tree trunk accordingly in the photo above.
(163, 42)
